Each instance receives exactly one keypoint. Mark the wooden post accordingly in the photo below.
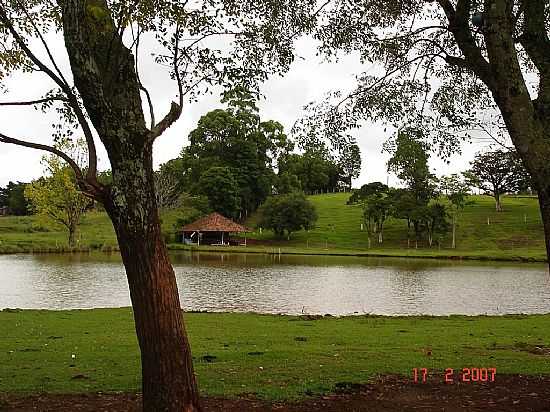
(222, 238)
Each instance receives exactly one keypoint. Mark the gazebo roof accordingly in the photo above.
(214, 222)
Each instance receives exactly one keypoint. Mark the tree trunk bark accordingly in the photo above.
(454, 231)
(72, 235)
(498, 205)
(544, 201)
(168, 380)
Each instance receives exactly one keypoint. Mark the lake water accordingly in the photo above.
(285, 284)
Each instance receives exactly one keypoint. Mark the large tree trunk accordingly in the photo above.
(527, 120)
(168, 380)
(105, 76)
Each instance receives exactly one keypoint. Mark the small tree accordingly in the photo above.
(57, 197)
(349, 162)
(376, 209)
(456, 192)
(220, 186)
(435, 221)
(290, 213)
(497, 172)
(366, 190)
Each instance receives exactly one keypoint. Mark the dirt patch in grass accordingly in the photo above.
(390, 393)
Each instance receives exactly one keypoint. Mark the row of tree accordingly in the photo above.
(13, 199)
(237, 160)
(420, 202)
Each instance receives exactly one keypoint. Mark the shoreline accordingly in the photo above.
(290, 251)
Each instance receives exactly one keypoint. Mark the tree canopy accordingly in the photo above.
(498, 172)
(287, 213)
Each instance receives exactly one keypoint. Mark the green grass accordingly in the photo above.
(514, 234)
(275, 357)
(29, 233)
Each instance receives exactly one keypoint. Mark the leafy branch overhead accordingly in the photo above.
(434, 65)
(199, 45)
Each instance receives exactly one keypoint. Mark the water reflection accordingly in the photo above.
(285, 284)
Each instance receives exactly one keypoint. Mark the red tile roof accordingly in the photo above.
(214, 222)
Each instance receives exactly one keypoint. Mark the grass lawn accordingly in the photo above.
(514, 234)
(275, 357)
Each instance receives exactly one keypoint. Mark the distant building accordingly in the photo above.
(3, 211)
(213, 229)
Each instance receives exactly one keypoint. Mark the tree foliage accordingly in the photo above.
(445, 73)
(219, 185)
(287, 213)
(13, 197)
(57, 198)
(236, 138)
(367, 189)
(498, 172)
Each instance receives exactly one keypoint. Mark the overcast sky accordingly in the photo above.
(308, 80)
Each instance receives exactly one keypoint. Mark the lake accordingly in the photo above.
(285, 284)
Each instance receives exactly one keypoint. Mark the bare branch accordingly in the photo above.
(175, 109)
(136, 41)
(33, 102)
(46, 148)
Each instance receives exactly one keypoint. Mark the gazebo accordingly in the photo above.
(213, 229)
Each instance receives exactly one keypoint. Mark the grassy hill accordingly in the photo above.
(482, 232)
(515, 232)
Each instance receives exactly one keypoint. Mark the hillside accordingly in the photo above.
(514, 233)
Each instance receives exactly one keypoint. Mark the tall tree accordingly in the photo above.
(485, 55)
(498, 173)
(102, 97)
(349, 161)
(409, 162)
(237, 138)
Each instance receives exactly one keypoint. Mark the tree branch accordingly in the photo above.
(459, 25)
(73, 101)
(46, 148)
(175, 109)
(33, 102)
(534, 40)
(39, 34)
